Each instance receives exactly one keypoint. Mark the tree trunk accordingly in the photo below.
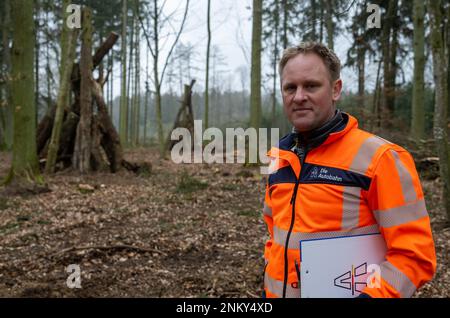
(313, 22)
(36, 60)
(147, 101)
(440, 69)
(111, 92)
(147, 91)
(447, 28)
(156, 78)
(321, 21)
(24, 172)
(185, 116)
(155, 53)
(375, 118)
(48, 66)
(255, 76)
(275, 63)
(388, 90)
(329, 23)
(418, 111)
(103, 134)
(208, 27)
(110, 140)
(255, 94)
(67, 140)
(130, 98)
(67, 57)
(123, 125)
(7, 110)
(109, 99)
(104, 48)
(393, 67)
(361, 81)
(137, 63)
(83, 142)
(285, 25)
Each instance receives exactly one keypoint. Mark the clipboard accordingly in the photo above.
(339, 267)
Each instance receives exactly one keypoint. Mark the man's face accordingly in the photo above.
(308, 94)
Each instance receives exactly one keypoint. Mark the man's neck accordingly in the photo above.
(314, 138)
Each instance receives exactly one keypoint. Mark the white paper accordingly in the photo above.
(338, 267)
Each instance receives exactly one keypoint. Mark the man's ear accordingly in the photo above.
(337, 90)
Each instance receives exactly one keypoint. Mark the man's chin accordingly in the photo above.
(302, 125)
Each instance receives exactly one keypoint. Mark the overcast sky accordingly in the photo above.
(231, 33)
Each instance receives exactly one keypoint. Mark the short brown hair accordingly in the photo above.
(328, 57)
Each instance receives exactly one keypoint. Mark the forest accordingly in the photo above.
(90, 95)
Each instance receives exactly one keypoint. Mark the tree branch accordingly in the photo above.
(176, 41)
(111, 247)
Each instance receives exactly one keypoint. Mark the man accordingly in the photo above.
(367, 185)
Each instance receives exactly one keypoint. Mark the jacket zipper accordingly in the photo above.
(302, 156)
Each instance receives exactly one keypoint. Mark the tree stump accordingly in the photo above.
(185, 116)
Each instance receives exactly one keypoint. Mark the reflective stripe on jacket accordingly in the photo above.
(353, 183)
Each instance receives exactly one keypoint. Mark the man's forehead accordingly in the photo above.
(307, 66)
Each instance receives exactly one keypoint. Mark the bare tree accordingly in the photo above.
(83, 142)
(440, 69)
(68, 45)
(24, 172)
(123, 126)
(418, 110)
(208, 27)
(153, 44)
(6, 124)
(255, 93)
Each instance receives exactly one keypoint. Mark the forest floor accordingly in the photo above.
(179, 231)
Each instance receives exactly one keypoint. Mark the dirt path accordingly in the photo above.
(181, 231)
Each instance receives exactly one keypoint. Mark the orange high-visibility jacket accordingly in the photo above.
(353, 183)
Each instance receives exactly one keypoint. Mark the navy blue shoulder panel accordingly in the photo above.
(312, 173)
(286, 142)
(283, 175)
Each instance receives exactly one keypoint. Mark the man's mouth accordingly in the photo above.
(301, 110)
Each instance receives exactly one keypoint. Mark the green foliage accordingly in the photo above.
(189, 184)
(249, 213)
(245, 174)
(145, 170)
(9, 227)
(229, 187)
(3, 203)
(402, 114)
(403, 104)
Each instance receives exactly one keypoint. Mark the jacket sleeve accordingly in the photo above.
(267, 213)
(396, 199)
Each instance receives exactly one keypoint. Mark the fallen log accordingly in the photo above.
(104, 48)
(110, 140)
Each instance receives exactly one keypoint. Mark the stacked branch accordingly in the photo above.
(185, 115)
(88, 140)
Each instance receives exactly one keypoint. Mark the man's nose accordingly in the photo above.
(300, 95)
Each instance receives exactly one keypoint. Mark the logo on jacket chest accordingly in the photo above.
(312, 173)
(324, 174)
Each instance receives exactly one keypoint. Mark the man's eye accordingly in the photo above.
(309, 86)
(289, 88)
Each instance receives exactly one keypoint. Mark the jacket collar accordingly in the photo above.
(333, 130)
(314, 138)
